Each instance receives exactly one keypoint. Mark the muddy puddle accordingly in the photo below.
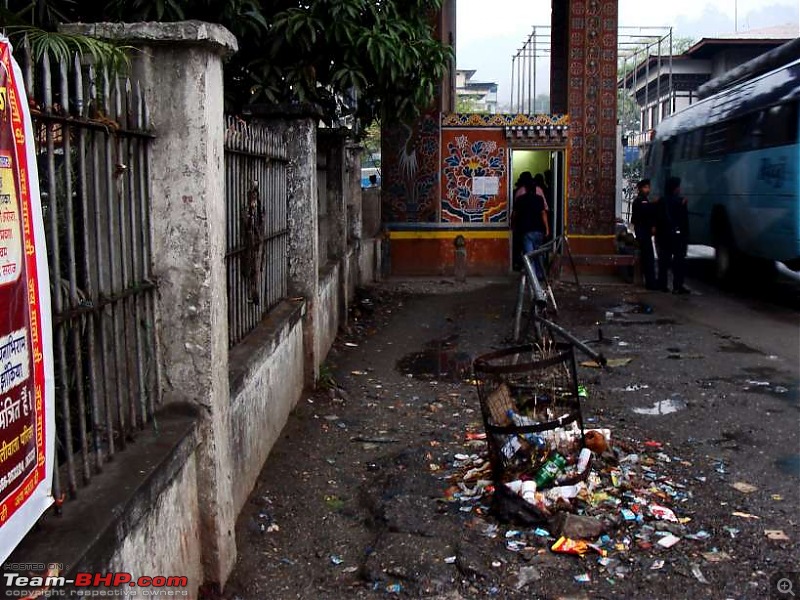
(439, 359)
(790, 465)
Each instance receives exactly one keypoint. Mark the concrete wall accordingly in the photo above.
(182, 521)
(327, 307)
(368, 260)
(167, 542)
(371, 212)
(262, 400)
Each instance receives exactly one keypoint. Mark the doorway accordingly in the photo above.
(551, 164)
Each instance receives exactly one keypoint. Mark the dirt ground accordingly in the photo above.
(353, 501)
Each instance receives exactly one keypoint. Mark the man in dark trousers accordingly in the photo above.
(643, 217)
(672, 236)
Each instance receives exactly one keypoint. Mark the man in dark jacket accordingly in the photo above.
(672, 236)
(643, 217)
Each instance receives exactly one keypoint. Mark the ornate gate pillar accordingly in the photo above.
(589, 30)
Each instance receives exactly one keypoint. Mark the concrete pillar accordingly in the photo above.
(300, 132)
(332, 142)
(354, 197)
(337, 186)
(180, 68)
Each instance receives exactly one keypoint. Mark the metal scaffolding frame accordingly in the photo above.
(524, 69)
(635, 47)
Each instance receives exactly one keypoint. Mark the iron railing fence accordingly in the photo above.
(91, 134)
(256, 196)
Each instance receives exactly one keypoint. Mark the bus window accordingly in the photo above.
(667, 152)
(715, 140)
(780, 125)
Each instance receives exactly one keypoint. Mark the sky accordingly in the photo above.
(487, 39)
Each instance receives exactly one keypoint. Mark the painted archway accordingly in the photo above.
(450, 174)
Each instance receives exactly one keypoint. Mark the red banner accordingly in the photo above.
(26, 365)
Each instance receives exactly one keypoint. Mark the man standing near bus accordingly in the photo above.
(672, 236)
(643, 218)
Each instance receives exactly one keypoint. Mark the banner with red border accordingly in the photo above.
(27, 416)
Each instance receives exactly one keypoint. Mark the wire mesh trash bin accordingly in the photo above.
(532, 414)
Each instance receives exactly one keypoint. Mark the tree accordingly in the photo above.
(466, 104)
(383, 53)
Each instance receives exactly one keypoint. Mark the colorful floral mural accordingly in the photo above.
(467, 154)
(410, 172)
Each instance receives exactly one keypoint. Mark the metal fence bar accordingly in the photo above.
(91, 135)
(94, 368)
(257, 224)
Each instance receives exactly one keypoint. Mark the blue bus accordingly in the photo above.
(737, 155)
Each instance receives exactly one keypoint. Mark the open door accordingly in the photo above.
(550, 164)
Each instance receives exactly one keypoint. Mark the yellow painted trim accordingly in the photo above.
(576, 236)
(449, 235)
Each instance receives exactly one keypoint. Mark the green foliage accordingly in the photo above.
(385, 53)
(327, 378)
(629, 113)
(372, 145)
(465, 104)
(62, 47)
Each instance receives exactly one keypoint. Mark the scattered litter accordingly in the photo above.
(577, 547)
(779, 389)
(374, 440)
(336, 559)
(657, 565)
(698, 574)
(450, 560)
(527, 575)
(668, 541)
(715, 556)
(358, 373)
(745, 515)
(663, 513)
(662, 407)
(394, 588)
(637, 387)
(776, 535)
(699, 536)
(732, 531)
(610, 363)
(496, 564)
(743, 487)
(583, 578)
(755, 383)
(351, 345)
(777, 497)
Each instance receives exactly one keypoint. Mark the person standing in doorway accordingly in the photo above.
(672, 236)
(643, 218)
(530, 222)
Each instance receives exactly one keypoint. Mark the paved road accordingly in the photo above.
(766, 315)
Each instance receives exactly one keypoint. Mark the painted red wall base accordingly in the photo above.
(437, 257)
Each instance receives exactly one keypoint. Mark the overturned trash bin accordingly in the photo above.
(534, 427)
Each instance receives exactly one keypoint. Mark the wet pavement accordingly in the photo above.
(357, 498)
